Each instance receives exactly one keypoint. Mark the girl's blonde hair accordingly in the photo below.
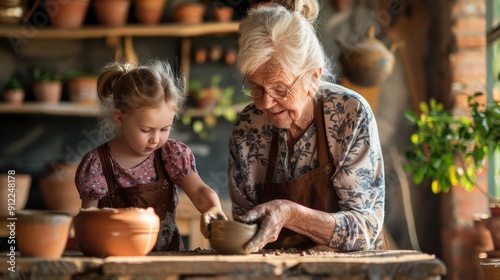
(127, 88)
(283, 33)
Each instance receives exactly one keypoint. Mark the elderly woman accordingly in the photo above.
(305, 158)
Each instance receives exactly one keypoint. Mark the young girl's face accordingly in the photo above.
(146, 130)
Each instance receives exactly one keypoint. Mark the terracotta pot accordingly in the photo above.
(189, 13)
(207, 97)
(58, 188)
(223, 14)
(116, 231)
(493, 225)
(112, 12)
(67, 14)
(83, 90)
(229, 237)
(42, 233)
(20, 184)
(48, 92)
(491, 270)
(14, 96)
(149, 11)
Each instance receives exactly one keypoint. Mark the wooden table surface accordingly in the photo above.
(206, 264)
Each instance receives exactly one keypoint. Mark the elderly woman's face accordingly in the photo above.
(281, 112)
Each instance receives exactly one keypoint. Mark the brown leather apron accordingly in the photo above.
(159, 194)
(313, 189)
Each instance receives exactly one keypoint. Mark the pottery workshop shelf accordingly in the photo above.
(205, 264)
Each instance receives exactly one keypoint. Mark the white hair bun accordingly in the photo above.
(307, 8)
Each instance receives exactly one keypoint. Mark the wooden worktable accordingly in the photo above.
(205, 264)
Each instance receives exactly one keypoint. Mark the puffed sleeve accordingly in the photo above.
(90, 181)
(178, 160)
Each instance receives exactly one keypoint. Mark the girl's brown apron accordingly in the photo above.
(159, 195)
(313, 189)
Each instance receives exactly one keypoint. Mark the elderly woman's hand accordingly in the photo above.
(272, 216)
(213, 213)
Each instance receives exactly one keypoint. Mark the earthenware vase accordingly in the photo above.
(228, 237)
(58, 187)
(16, 194)
(42, 233)
(112, 13)
(116, 231)
(67, 14)
(149, 11)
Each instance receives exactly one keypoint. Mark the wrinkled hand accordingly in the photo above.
(213, 213)
(273, 216)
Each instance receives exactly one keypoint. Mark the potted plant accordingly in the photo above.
(47, 86)
(13, 92)
(450, 150)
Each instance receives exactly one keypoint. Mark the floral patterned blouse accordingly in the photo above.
(354, 145)
(91, 183)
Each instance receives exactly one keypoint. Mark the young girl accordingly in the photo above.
(140, 166)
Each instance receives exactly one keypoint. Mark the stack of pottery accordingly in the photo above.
(41, 233)
(116, 231)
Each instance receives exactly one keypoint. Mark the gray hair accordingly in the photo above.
(287, 37)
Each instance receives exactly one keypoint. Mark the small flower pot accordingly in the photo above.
(67, 14)
(189, 13)
(42, 233)
(229, 237)
(112, 13)
(83, 90)
(149, 12)
(14, 96)
(223, 14)
(22, 191)
(48, 92)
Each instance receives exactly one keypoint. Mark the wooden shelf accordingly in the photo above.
(81, 110)
(131, 30)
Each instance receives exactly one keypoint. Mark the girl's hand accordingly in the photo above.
(213, 213)
(272, 216)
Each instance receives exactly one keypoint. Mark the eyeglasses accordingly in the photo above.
(257, 92)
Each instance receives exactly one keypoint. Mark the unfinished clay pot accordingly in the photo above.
(42, 233)
(228, 237)
(116, 231)
(59, 189)
(19, 195)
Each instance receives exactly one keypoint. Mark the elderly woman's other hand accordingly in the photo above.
(213, 213)
(271, 216)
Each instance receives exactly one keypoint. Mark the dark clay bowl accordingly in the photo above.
(229, 237)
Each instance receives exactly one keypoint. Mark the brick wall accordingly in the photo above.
(461, 236)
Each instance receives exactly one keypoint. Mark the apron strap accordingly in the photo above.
(324, 155)
(273, 156)
(107, 168)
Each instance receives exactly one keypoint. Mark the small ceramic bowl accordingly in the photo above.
(42, 233)
(102, 232)
(229, 237)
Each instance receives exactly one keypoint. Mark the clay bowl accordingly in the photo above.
(229, 237)
(116, 231)
(42, 233)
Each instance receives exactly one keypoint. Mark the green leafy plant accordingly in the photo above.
(223, 106)
(45, 76)
(449, 149)
(13, 83)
